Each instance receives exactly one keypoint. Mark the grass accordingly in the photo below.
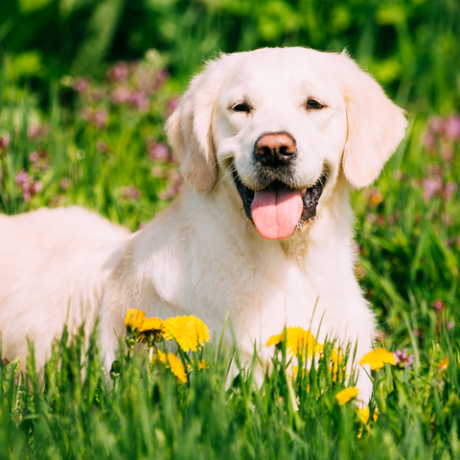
(407, 232)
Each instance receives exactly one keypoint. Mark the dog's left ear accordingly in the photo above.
(189, 128)
(375, 125)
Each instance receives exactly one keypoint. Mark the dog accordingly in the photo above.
(270, 142)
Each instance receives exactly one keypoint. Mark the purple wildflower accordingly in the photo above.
(161, 77)
(172, 105)
(40, 160)
(37, 131)
(438, 305)
(101, 146)
(82, 84)
(139, 100)
(131, 192)
(431, 187)
(118, 72)
(429, 140)
(452, 127)
(21, 177)
(403, 359)
(121, 95)
(65, 182)
(28, 185)
(4, 140)
(33, 157)
(371, 218)
(100, 118)
(158, 151)
(449, 189)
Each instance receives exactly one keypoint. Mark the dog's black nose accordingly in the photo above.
(275, 149)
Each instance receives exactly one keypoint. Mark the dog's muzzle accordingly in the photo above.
(275, 198)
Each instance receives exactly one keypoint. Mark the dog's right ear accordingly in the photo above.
(189, 128)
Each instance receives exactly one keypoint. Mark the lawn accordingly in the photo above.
(98, 141)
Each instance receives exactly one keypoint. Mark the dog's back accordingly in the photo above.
(48, 257)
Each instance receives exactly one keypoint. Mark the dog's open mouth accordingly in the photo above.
(278, 210)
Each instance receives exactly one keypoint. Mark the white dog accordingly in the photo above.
(269, 142)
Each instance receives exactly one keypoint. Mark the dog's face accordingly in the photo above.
(278, 123)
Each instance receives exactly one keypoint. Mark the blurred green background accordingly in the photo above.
(410, 46)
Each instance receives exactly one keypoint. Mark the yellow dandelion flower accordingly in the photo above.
(377, 358)
(177, 367)
(134, 319)
(360, 433)
(300, 341)
(336, 361)
(295, 372)
(202, 364)
(189, 332)
(347, 394)
(364, 414)
(376, 414)
(443, 364)
(161, 356)
(152, 330)
(274, 340)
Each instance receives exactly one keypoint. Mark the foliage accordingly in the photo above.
(150, 409)
(409, 45)
(107, 152)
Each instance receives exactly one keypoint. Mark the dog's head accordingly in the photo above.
(279, 126)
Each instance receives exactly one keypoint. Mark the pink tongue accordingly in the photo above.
(276, 212)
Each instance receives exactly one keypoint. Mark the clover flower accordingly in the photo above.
(438, 305)
(158, 151)
(98, 117)
(188, 331)
(346, 395)
(40, 160)
(377, 358)
(134, 319)
(118, 72)
(5, 139)
(101, 146)
(28, 184)
(131, 192)
(120, 95)
(36, 131)
(82, 84)
(402, 359)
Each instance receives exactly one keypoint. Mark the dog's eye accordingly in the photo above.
(243, 107)
(312, 104)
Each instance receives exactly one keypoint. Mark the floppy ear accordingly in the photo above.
(375, 125)
(189, 128)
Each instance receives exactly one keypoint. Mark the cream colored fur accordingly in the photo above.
(203, 256)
